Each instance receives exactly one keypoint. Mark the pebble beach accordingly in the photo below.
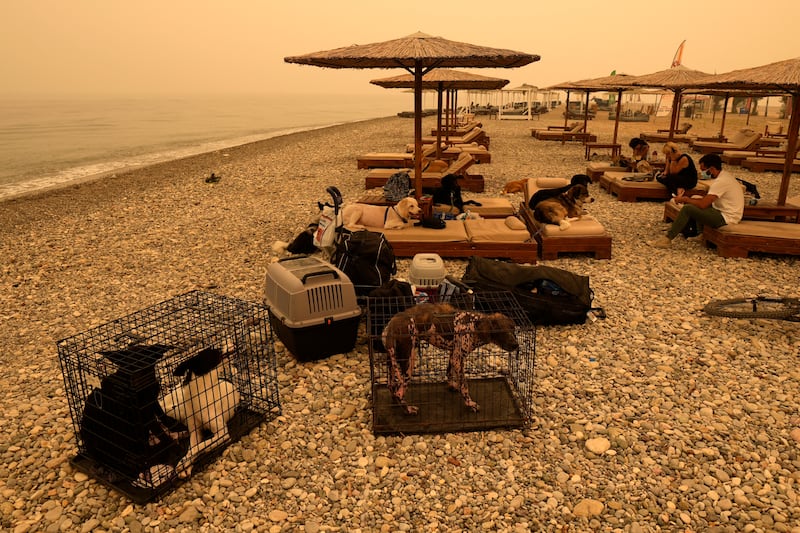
(657, 418)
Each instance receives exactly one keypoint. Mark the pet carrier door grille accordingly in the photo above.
(325, 299)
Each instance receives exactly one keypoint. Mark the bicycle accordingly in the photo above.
(775, 307)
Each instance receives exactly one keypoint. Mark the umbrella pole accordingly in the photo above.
(439, 122)
(791, 149)
(724, 115)
(676, 111)
(616, 118)
(417, 129)
(566, 112)
(586, 113)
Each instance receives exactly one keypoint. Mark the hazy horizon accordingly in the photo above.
(237, 47)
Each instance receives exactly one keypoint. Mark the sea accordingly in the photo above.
(52, 140)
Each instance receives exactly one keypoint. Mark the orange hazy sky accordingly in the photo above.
(238, 46)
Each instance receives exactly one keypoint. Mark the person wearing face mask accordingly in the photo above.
(680, 174)
(723, 204)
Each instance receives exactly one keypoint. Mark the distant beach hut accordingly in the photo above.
(442, 80)
(782, 77)
(418, 54)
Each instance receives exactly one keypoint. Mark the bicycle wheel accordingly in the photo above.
(759, 307)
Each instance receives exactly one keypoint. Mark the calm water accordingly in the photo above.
(44, 141)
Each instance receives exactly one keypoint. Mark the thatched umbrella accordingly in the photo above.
(417, 53)
(569, 87)
(443, 79)
(676, 79)
(781, 76)
(607, 83)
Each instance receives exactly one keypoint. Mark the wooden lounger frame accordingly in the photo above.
(550, 247)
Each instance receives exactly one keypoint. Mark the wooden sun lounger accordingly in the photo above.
(739, 240)
(596, 169)
(760, 164)
(475, 135)
(491, 238)
(763, 210)
(586, 235)
(633, 191)
(743, 140)
(377, 177)
(491, 207)
(736, 157)
(406, 159)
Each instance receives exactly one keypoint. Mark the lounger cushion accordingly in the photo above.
(454, 231)
(586, 225)
(761, 228)
(494, 230)
(514, 223)
(491, 207)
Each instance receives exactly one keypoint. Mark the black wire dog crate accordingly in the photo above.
(158, 394)
(500, 382)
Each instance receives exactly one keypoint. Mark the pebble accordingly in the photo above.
(679, 421)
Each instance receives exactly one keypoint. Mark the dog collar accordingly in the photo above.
(393, 208)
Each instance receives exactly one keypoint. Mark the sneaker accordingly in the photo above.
(661, 242)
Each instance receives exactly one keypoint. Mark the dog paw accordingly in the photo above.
(279, 247)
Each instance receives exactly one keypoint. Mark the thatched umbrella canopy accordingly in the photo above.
(781, 76)
(440, 80)
(676, 79)
(417, 53)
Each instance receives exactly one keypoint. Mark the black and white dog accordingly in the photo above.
(204, 402)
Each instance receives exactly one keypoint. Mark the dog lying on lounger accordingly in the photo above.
(398, 216)
(447, 196)
(564, 208)
(544, 194)
(443, 326)
(204, 402)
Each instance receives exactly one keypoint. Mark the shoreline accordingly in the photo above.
(700, 413)
(43, 184)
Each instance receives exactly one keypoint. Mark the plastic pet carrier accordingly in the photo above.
(312, 307)
(427, 272)
(156, 395)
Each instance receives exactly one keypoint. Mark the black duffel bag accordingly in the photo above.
(366, 257)
(548, 295)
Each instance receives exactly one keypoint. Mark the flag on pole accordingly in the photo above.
(676, 59)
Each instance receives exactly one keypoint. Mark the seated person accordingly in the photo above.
(724, 203)
(638, 161)
(447, 197)
(680, 174)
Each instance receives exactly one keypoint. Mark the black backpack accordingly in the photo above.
(548, 295)
(366, 257)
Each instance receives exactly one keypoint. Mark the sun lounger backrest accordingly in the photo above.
(471, 135)
(460, 165)
(743, 137)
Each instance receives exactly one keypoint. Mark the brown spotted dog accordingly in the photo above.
(443, 326)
